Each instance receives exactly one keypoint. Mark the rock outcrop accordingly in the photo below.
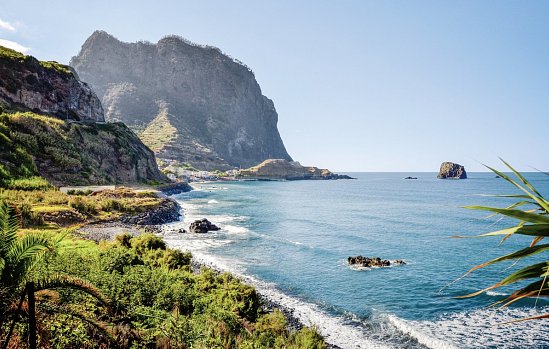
(46, 88)
(277, 169)
(367, 262)
(37, 139)
(450, 170)
(202, 226)
(189, 103)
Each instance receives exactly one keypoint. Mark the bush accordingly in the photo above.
(83, 206)
(146, 242)
(28, 218)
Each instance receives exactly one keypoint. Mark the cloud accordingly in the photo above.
(14, 46)
(6, 26)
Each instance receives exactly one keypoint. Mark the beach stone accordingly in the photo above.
(202, 226)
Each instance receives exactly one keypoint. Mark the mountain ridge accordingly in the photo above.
(213, 101)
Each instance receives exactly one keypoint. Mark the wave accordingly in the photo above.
(213, 201)
(482, 329)
(234, 229)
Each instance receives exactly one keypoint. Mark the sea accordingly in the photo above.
(291, 240)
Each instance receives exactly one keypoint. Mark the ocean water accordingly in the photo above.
(291, 240)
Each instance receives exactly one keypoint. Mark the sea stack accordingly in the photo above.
(450, 170)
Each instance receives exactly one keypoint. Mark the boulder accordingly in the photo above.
(368, 262)
(450, 170)
(202, 226)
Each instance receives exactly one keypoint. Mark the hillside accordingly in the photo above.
(36, 99)
(213, 102)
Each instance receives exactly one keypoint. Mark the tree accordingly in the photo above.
(17, 257)
(531, 210)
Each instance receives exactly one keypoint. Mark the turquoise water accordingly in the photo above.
(292, 239)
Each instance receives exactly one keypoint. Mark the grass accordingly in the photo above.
(105, 205)
(16, 56)
(65, 153)
(159, 132)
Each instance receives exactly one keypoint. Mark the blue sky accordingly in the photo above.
(358, 85)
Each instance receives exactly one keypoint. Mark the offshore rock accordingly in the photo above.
(46, 88)
(187, 102)
(368, 262)
(277, 169)
(202, 226)
(450, 170)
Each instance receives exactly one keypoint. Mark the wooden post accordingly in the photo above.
(32, 316)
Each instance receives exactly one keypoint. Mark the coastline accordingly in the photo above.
(153, 221)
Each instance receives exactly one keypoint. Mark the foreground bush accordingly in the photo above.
(157, 301)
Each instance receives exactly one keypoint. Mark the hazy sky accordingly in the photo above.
(358, 85)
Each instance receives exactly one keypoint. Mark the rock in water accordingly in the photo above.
(368, 262)
(202, 226)
(190, 103)
(449, 170)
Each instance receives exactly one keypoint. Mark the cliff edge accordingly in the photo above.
(51, 124)
(188, 102)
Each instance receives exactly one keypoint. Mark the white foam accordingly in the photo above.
(408, 327)
(487, 329)
(213, 201)
(234, 229)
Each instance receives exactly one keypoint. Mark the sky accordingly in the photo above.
(358, 85)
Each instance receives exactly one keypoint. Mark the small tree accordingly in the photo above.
(17, 257)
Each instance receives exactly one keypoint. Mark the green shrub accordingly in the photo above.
(124, 239)
(142, 244)
(115, 259)
(28, 218)
(82, 205)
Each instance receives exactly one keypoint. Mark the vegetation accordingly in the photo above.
(134, 292)
(18, 258)
(156, 302)
(75, 153)
(533, 221)
(158, 132)
(12, 55)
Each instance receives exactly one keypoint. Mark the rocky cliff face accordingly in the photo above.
(288, 170)
(449, 170)
(46, 88)
(36, 139)
(193, 103)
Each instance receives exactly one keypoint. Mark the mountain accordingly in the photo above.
(188, 102)
(51, 124)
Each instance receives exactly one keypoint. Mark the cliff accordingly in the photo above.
(46, 88)
(450, 170)
(189, 103)
(78, 151)
(288, 170)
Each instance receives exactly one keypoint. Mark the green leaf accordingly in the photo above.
(531, 230)
(518, 214)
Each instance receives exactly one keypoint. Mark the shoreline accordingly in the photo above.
(109, 230)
